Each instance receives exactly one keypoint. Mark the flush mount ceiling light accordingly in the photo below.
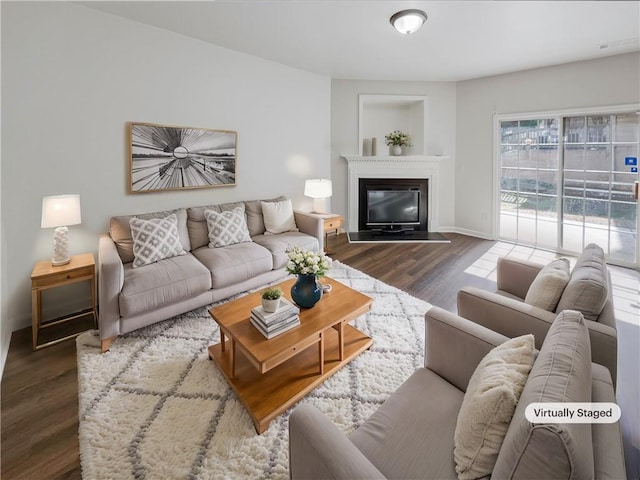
(408, 21)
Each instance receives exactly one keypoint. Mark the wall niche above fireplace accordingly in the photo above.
(383, 114)
(393, 203)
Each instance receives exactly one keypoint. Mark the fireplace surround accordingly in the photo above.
(383, 167)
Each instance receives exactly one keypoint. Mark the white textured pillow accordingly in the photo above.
(227, 228)
(546, 289)
(488, 406)
(278, 217)
(155, 239)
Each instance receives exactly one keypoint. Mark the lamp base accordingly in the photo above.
(58, 263)
(319, 205)
(60, 247)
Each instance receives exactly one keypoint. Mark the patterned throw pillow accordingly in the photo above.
(155, 239)
(227, 228)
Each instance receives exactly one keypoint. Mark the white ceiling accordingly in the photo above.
(354, 39)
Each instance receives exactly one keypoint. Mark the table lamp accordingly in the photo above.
(59, 211)
(319, 189)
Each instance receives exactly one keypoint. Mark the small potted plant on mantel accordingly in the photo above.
(396, 140)
(271, 299)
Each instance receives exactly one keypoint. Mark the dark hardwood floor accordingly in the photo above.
(39, 389)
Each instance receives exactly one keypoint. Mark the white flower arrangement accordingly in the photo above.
(305, 262)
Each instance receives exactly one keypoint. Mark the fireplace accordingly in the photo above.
(412, 167)
(392, 204)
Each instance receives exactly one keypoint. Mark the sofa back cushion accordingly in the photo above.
(561, 373)
(197, 223)
(588, 287)
(120, 231)
(546, 289)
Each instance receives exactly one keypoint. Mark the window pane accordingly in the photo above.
(619, 154)
(623, 247)
(623, 216)
(627, 128)
(574, 157)
(509, 132)
(572, 237)
(509, 157)
(598, 129)
(597, 157)
(509, 226)
(548, 182)
(547, 233)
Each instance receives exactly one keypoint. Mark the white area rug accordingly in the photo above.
(155, 406)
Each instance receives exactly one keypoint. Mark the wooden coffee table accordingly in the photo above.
(269, 376)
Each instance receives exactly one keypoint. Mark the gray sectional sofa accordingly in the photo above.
(132, 298)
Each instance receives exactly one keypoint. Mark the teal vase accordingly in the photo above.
(307, 291)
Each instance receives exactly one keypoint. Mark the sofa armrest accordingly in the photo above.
(311, 225)
(318, 449)
(604, 346)
(454, 346)
(110, 282)
(505, 315)
(515, 276)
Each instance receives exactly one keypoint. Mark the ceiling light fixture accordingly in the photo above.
(408, 21)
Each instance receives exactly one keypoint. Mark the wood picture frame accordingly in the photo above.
(164, 157)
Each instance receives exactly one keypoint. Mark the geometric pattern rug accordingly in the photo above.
(155, 407)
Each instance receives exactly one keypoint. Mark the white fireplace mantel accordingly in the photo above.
(410, 166)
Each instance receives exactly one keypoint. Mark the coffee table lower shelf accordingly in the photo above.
(265, 396)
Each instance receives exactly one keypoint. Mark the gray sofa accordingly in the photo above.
(588, 291)
(132, 298)
(412, 434)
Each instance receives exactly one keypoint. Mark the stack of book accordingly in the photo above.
(272, 324)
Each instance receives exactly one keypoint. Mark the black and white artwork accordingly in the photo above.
(176, 158)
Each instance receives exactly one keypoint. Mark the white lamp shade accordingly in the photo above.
(60, 210)
(318, 188)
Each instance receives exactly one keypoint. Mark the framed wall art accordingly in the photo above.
(176, 158)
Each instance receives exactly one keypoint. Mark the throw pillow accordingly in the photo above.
(488, 406)
(278, 217)
(226, 228)
(155, 239)
(546, 289)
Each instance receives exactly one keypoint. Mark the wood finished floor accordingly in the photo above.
(39, 394)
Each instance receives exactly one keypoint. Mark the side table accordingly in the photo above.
(332, 223)
(44, 276)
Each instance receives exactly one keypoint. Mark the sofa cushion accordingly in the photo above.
(278, 245)
(255, 219)
(546, 289)
(411, 434)
(488, 406)
(278, 217)
(587, 289)
(561, 373)
(234, 263)
(120, 231)
(227, 228)
(197, 223)
(155, 239)
(162, 283)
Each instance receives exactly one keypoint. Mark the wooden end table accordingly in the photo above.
(270, 375)
(44, 276)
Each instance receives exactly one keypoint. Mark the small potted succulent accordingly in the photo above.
(271, 299)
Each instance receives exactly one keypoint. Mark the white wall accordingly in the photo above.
(440, 127)
(603, 82)
(72, 78)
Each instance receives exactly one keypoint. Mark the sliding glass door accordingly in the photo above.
(567, 181)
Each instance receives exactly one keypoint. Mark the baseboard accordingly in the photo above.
(464, 231)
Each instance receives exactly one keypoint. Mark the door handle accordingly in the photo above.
(635, 189)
